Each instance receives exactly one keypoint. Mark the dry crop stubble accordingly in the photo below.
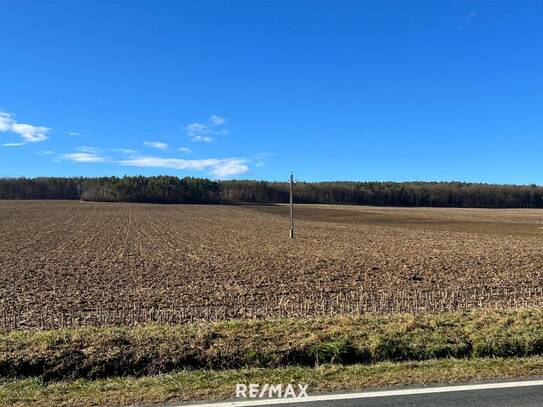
(70, 263)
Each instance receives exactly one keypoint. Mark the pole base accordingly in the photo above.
(292, 233)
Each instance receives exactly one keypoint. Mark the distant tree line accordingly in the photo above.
(438, 194)
(168, 189)
(161, 189)
(40, 188)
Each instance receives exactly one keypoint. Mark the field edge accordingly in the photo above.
(199, 385)
(92, 353)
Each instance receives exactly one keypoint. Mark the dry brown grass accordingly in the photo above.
(94, 352)
(217, 385)
(63, 261)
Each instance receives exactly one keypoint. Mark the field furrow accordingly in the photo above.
(66, 263)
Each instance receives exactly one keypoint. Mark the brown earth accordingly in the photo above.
(64, 256)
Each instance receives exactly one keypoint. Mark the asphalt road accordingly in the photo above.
(519, 397)
(510, 394)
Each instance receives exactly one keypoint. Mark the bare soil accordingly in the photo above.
(61, 257)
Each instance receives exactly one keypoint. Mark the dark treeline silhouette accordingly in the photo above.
(40, 188)
(161, 189)
(168, 189)
(438, 194)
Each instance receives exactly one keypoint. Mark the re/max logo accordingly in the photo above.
(271, 390)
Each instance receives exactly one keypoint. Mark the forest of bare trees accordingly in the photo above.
(162, 189)
(169, 189)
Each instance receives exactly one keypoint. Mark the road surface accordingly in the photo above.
(518, 394)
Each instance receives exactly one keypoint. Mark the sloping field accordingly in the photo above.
(66, 263)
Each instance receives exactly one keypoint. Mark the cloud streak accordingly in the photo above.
(261, 159)
(125, 150)
(156, 144)
(470, 16)
(88, 149)
(467, 19)
(206, 132)
(84, 157)
(222, 168)
(217, 167)
(216, 120)
(28, 132)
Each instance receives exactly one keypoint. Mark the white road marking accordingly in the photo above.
(372, 394)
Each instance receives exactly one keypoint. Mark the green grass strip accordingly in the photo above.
(212, 384)
(108, 352)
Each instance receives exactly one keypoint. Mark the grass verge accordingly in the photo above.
(212, 384)
(107, 352)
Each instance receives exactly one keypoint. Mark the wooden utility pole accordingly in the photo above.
(291, 207)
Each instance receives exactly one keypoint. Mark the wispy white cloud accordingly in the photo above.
(216, 167)
(204, 139)
(88, 149)
(230, 168)
(5, 121)
(206, 132)
(261, 159)
(29, 133)
(125, 150)
(45, 152)
(84, 157)
(216, 120)
(73, 133)
(156, 144)
(199, 132)
(221, 168)
(470, 16)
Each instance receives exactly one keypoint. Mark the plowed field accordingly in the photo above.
(68, 263)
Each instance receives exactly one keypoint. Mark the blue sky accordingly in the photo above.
(365, 90)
